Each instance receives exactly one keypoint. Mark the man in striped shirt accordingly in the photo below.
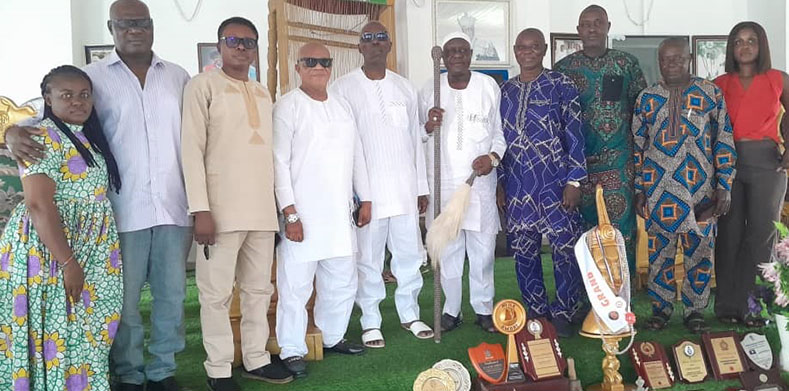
(138, 100)
(385, 109)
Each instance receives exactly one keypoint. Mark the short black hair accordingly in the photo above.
(594, 7)
(763, 62)
(236, 20)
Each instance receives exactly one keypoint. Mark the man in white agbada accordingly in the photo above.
(386, 109)
(318, 164)
(471, 140)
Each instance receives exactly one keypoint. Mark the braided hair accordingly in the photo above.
(91, 128)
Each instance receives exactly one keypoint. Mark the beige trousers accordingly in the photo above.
(243, 258)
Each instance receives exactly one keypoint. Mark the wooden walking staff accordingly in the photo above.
(436, 53)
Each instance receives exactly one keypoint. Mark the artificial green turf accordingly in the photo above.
(396, 366)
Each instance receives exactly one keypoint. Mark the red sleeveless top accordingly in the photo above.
(753, 112)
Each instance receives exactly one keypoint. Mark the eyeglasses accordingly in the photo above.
(381, 36)
(125, 24)
(233, 42)
(312, 62)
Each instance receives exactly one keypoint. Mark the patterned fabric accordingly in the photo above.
(59, 346)
(684, 151)
(542, 126)
(697, 260)
(608, 86)
(528, 267)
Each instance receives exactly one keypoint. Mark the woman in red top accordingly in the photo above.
(754, 94)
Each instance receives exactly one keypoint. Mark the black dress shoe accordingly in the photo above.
(166, 384)
(296, 366)
(486, 323)
(346, 347)
(223, 384)
(564, 328)
(275, 372)
(127, 387)
(449, 322)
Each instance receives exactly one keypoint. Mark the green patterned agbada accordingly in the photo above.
(45, 342)
(608, 85)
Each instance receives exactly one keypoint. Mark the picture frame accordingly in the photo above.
(563, 45)
(486, 22)
(645, 49)
(208, 58)
(95, 53)
(709, 55)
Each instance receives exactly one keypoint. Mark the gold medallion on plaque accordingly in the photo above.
(509, 317)
(434, 380)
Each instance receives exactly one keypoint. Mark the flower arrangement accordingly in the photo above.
(776, 272)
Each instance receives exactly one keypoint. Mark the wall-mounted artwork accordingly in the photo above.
(645, 48)
(709, 55)
(487, 23)
(563, 45)
(95, 53)
(208, 58)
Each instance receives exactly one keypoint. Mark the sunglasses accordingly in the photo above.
(312, 62)
(381, 36)
(233, 42)
(125, 24)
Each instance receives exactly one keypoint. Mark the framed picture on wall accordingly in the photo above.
(709, 55)
(208, 58)
(645, 48)
(563, 45)
(95, 53)
(487, 23)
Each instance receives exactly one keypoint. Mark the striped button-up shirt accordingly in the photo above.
(143, 128)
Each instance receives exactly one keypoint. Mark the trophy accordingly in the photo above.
(539, 350)
(651, 363)
(763, 374)
(603, 265)
(691, 367)
(509, 317)
(724, 354)
(11, 114)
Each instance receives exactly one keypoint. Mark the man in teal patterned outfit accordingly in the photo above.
(608, 81)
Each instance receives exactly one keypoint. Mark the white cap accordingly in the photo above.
(456, 34)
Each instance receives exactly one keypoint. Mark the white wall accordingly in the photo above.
(667, 17)
(175, 39)
(35, 36)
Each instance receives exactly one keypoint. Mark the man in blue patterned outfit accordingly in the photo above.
(540, 176)
(684, 166)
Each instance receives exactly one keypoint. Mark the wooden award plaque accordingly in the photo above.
(724, 354)
(763, 375)
(489, 361)
(538, 347)
(691, 367)
(651, 363)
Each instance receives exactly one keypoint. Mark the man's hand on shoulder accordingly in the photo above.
(22, 146)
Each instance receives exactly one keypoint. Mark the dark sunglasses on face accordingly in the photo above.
(312, 62)
(381, 36)
(125, 24)
(233, 42)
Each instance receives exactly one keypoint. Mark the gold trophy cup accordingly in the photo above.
(606, 245)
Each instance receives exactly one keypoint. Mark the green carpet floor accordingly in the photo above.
(396, 366)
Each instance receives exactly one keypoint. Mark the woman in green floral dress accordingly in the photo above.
(60, 266)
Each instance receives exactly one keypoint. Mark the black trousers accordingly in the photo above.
(747, 235)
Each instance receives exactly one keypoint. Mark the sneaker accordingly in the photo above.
(296, 365)
(166, 384)
(222, 384)
(275, 372)
(449, 322)
(486, 323)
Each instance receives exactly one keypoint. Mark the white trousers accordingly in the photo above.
(404, 239)
(335, 284)
(243, 258)
(480, 248)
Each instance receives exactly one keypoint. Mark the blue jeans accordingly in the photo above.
(158, 256)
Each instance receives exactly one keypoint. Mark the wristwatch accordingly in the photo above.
(575, 184)
(494, 161)
(291, 218)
